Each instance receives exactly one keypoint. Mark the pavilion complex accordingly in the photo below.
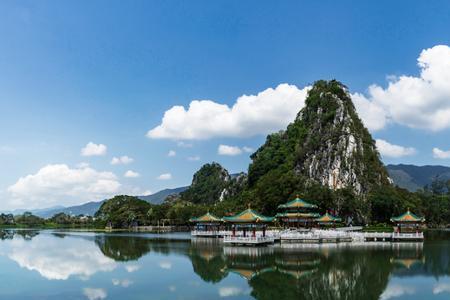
(298, 213)
(206, 225)
(245, 226)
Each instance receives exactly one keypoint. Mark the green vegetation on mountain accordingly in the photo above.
(212, 184)
(124, 211)
(326, 155)
(414, 178)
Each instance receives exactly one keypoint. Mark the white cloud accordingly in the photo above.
(193, 158)
(92, 149)
(59, 184)
(83, 165)
(95, 294)
(231, 291)
(248, 149)
(165, 176)
(372, 114)
(59, 259)
(167, 265)
(229, 150)
(122, 160)
(132, 268)
(441, 154)
(266, 112)
(123, 283)
(441, 288)
(390, 150)
(171, 153)
(417, 102)
(131, 174)
(397, 290)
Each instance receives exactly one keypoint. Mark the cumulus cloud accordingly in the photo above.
(131, 174)
(60, 184)
(122, 160)
(83, 165)
(171, 153)
(390, 150)
(95, 294)
(268, 111)
(415, 101)
(92, 149)
(441, 154)
(59, 259)
(165, 176)
(421, 101)
(229, 150)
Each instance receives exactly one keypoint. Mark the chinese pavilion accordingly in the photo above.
(297, 213)
(327, 220)
(206, 225)
(248, 220)
(408, 222)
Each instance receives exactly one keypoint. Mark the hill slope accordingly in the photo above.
(413, 177)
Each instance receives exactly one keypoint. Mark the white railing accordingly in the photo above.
(204, 233)
(412, 235)
(248, 239)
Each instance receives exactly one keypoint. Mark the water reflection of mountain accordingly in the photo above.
(299, 271)
(133, 247)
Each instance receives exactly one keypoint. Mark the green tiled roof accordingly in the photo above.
(297, 203)
(248, 216)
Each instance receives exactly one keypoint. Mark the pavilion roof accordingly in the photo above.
(408, 217)
(297, 215)
(206, 218)
(297, 203)
(248, 216)
(327, 218)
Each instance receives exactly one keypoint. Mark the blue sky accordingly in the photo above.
(74, 72)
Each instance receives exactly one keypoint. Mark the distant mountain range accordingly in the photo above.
(413, 177)
(410, 177)
(90, 208)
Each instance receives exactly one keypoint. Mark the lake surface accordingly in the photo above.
(95, 266)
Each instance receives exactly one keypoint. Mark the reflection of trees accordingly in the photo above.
(296, 272)
(24, 233)
(349, 274)
(207, 259)
(129, 247)
(122, 248)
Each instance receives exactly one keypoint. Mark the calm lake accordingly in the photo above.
(74, 265)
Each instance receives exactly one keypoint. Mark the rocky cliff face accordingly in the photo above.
(326, 144)
(337, 150)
